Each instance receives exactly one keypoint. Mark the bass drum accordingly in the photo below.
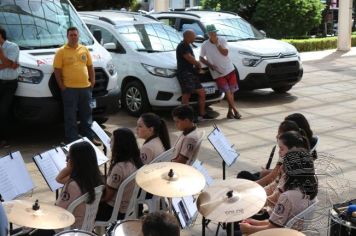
(127, 228)
(340, 227)
(75, 233)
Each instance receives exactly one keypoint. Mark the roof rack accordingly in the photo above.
(179, 12)
(87, 14)
(131, 13)
(230, 12)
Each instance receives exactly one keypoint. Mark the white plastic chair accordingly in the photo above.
(305, 216)
(90, 209)
(118, 200)
(197, 148)
(153, 203)
(316, 144)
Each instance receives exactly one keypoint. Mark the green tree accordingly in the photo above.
(288, 18)
(90, 5)
(245, 8)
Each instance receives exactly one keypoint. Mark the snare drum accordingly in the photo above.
(340, 227)
(127, 228)
(75, 232)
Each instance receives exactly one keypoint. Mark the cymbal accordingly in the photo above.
(20, 212)
(129, 228)
(184, 181)
(231, 200)
(278, 232)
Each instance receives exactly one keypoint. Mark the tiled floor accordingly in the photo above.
(326, 96)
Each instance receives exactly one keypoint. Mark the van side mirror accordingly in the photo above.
(199, 39)
(97, 35)
(110, 46)
(263, 33)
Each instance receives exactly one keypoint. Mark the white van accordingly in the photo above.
(144, 50)
(40, 28)
(260, 62)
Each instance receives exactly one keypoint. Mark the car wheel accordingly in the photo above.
(135, 99)
(282, 89)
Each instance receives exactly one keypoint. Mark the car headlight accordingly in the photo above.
(250, 60)
(110, 67)
(29, 75)
(162, 72)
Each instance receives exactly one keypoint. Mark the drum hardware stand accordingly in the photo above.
(105, 150)
(170, 204)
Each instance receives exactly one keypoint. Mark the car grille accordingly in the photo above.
(279, 71)
(101, 83)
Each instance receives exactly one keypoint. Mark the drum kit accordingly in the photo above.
(224, 201)
(278, 232)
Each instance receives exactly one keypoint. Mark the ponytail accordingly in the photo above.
(164, 135)
(159, 128)
(295, 139)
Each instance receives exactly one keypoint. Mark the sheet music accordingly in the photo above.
(223, 147)
(102, 159)
(15, 179)
(50, 163)
(59, 158)
(199, 166)
(101, 134)
(185, 209)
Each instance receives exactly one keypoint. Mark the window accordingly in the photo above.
(168, 21)
(155, 37)
(192, 25)
(106, 37)
(40, 24)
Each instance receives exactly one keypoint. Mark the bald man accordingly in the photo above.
(186, 73)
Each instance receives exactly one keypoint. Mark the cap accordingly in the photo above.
(211, 28)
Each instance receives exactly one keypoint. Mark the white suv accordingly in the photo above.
(260, 62)
(143, 50)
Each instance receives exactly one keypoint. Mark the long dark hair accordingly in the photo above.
(125, 148)
(159, 128)
(294, 139)
(300, 173)
(85, 168)
(302, 123)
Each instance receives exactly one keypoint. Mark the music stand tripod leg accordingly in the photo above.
(170, 205)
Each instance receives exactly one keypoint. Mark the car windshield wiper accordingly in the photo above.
(245, 39)
(147, 50)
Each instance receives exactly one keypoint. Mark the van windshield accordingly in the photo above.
(235, 29)
(40, 23)
(154, 37)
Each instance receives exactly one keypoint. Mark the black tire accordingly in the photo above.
(282, 89)
(134, 99)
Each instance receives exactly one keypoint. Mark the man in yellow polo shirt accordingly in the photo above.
(74, 71)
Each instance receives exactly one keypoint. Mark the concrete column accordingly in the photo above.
(344, 25)
(161, 5)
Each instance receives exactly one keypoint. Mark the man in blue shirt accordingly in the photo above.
(9, 57)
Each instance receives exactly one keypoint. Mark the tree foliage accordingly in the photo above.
(288, 18)
(279, 18)
(90, 5)
(245, 8)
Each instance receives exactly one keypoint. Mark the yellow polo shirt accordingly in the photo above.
(73, 62)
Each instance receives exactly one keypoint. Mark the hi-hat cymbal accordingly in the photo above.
(170, 179)
(22, 213)
(278, 232)
(231, 200)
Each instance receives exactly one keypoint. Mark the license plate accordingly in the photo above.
(209, 90)
(93, 103)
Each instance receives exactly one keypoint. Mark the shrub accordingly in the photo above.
(316, 44)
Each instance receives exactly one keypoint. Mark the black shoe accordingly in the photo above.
(205, 117)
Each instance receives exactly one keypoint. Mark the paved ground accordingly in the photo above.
(326, 96)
